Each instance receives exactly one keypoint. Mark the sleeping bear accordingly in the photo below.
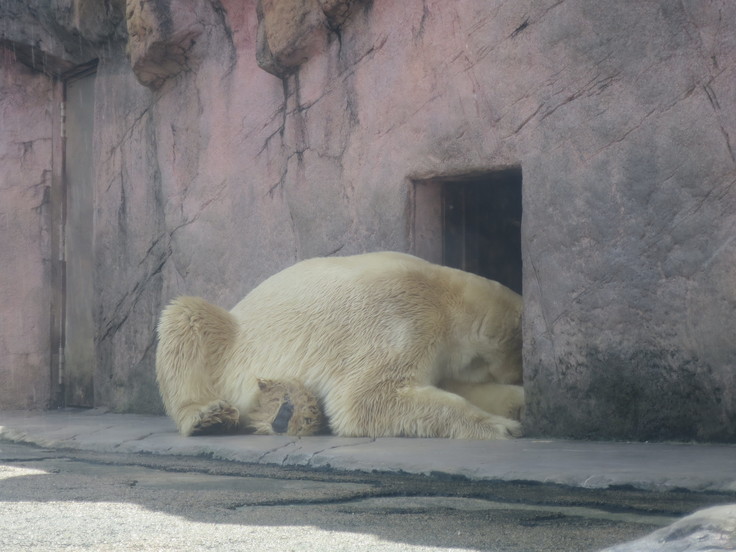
(380, 344)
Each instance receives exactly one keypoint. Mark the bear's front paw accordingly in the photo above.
(216, 417)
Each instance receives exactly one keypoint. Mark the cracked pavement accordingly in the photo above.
(81, 480)
(81, 500)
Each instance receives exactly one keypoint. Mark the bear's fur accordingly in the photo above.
(371, 336)
(289, 408)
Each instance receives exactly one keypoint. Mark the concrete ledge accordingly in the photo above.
(647, 466)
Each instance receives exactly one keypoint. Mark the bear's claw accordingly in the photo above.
(217, 417)
(513, 429)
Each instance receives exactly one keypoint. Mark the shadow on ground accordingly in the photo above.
(174, 502)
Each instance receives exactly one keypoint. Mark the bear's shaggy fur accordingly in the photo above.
(371, 336)
(289, 408)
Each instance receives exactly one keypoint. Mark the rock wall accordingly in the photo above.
(629, 224)
(235, 138)
(25, 220)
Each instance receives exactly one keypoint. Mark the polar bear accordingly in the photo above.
(373, 336)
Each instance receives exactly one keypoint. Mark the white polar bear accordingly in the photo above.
(373, 336)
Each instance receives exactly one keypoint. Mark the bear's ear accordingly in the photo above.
(264, 384)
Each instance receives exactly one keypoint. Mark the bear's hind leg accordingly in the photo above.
(194, 338)
(424, 411)
(495, 398)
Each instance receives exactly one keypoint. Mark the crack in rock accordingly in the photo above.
(262, 456)
(318, 452)
(141, 438)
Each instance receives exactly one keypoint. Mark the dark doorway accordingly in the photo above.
(79, 350)
(479, 226)
(482, 226)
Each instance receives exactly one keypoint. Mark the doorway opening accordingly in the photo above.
(76, 359)
(472, 223)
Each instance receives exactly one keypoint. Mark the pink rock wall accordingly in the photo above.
(25, 187)
(215, 173)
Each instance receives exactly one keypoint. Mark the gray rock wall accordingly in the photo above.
(629, 226)
(232, 142)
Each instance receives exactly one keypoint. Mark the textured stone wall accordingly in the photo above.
(629, 224)
(25, 249)
(235, 138)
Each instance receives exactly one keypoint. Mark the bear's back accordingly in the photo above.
(319, 282)
(321, 319)
(337, 311)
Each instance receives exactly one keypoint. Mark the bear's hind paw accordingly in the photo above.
(508, 429)
(514, 429)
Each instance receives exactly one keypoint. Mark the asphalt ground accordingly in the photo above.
(86, 480)
(79, 500)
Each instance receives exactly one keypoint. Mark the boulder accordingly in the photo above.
(161, 38)
(705, 530)
(290, 32)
